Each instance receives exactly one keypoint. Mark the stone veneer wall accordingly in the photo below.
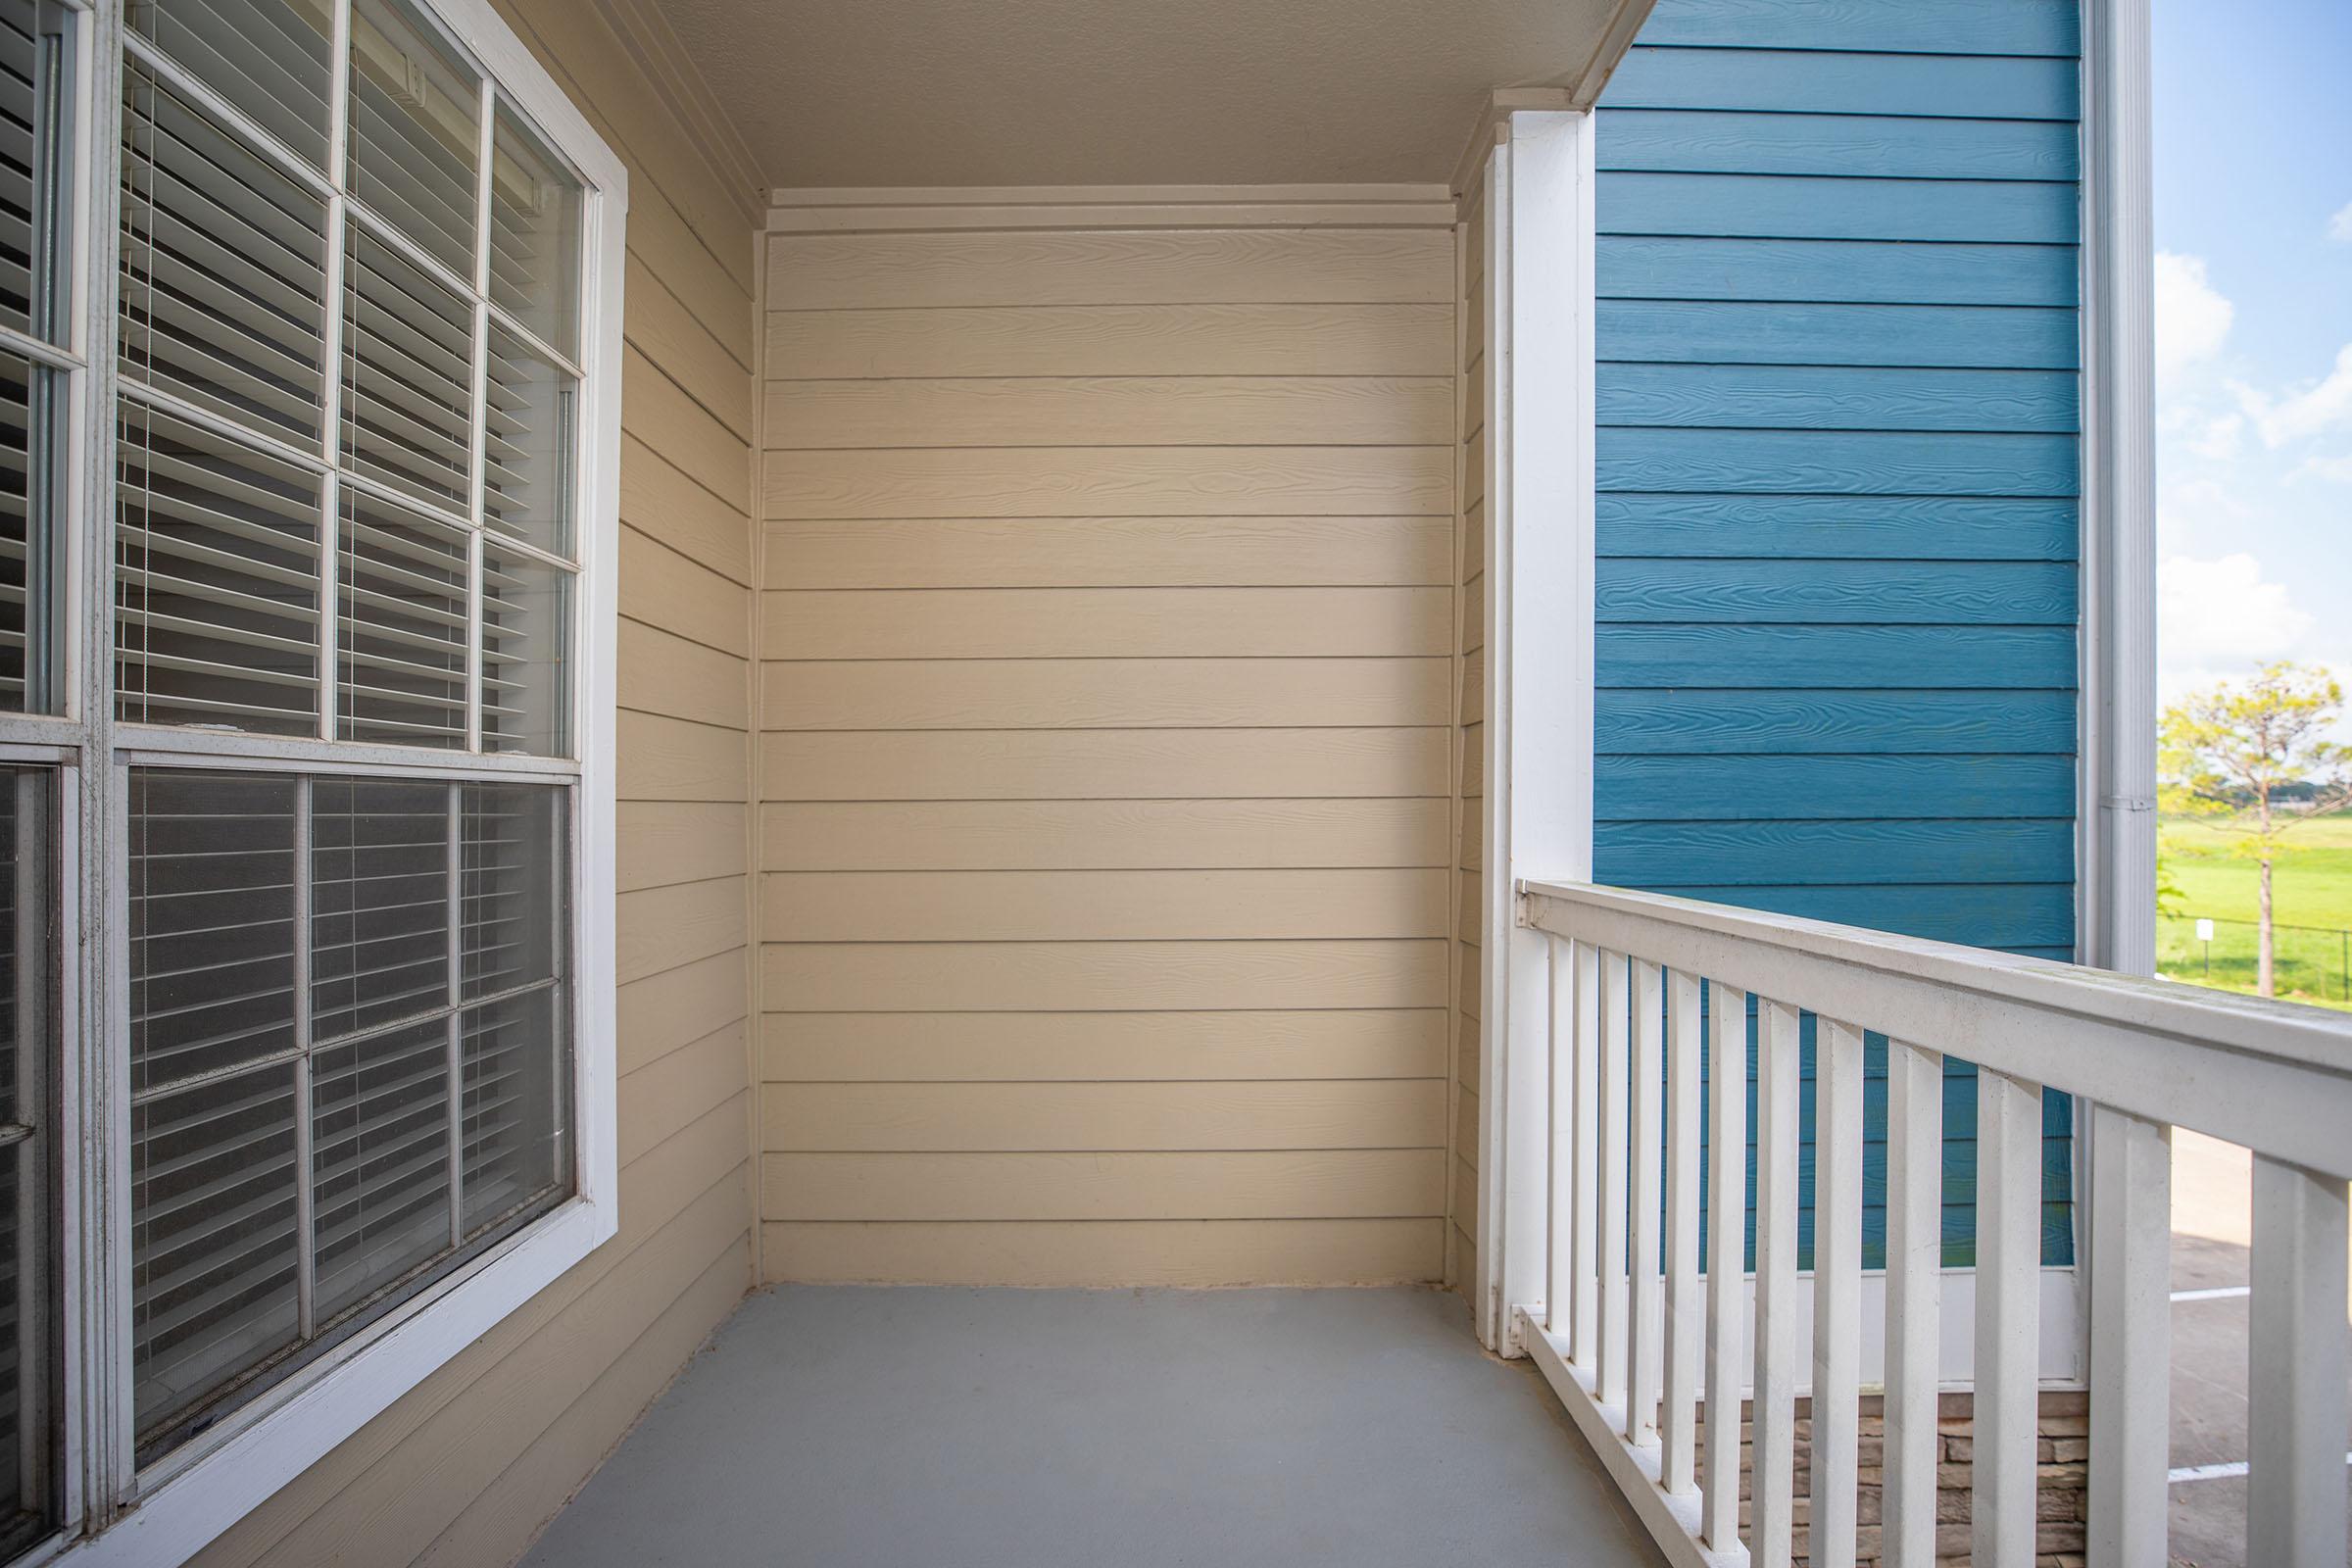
(2065, 1456)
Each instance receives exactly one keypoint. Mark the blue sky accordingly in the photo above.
(2253, 188)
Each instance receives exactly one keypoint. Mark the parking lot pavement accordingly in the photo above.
(2212, 1213)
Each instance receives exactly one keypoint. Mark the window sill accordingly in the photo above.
(193, 1498)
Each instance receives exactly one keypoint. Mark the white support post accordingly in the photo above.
(1836, 1292)
(2008, 1320)
(2295, 1396)
(1539, 640)
(1914, 1299)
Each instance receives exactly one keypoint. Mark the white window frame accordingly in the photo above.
(115, 1512)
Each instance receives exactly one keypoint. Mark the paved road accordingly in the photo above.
(2211, 1211)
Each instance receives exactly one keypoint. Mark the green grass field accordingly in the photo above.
(2312, 887)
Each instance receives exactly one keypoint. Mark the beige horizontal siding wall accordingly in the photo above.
(1107, 704)
(465, 1470)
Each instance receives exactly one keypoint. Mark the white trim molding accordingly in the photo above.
(887, 208)
(2117, 858)
(1538, 642)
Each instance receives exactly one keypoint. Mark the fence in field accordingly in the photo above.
(2313, 962)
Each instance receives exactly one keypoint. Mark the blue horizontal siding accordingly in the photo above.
(1898, 463)
(1799, 81)
(1817, 657)
(1910, 26)
(1833, 272)
(1888, 593)
(1713, 332)
(1851, 146)
(1840, 853)
(2013, 917)
(1838, 397)
(1832, 723)
(2009, 916)
(1836, 605)
(1740, 789)
(1809, 207)
(1950, 528)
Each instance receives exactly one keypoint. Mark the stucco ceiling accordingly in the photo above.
(1124, 93)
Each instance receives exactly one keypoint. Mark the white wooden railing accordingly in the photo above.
(1632, 1352)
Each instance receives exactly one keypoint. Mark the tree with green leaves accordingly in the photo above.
(2257, 756)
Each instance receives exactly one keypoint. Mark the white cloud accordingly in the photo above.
(2219, 440)
(2336, 470)
(2192, 319)
(2340, 227)
(2223, 619)
(2319, 405)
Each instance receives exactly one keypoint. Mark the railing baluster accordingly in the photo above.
(1836, 1291)
(2131, 1338)
(1559, 1234)
(1914, 1299)
(1615, 1060)
(1645, 1318)
(1727, 1262)
(1772, 1531)
(1685, 1315)
(2295, 1406)
(1584, 1314)
(2008, 1320)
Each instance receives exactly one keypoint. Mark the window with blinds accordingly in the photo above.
(346, 601)
(302, 1026)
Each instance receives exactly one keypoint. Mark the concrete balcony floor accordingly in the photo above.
(978, 1427)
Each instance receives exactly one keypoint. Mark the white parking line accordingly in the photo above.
(2218, 1293)
(2215, 1472)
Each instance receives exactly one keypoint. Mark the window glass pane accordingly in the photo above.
(526, 675)
(380, 1140)
(517, 1106)
(380, 864)
(31, 436)
(223, 275)
(36, 166)
(402, 673)
(516, 849)
(274, 59)
(408, 376)
(432, 1131)
(211, 923)
(28, 1045)
(212, 1240)
(216, 581)
(534, 234)
(528, 435)
(415, 119)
